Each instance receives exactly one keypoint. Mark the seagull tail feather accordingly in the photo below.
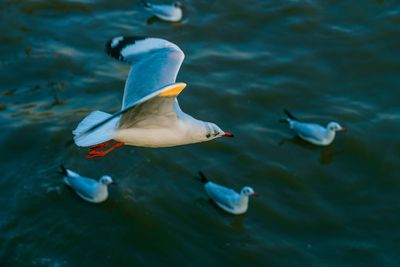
(98, 127)
(290, 115)
(202, 178)
(63, 170)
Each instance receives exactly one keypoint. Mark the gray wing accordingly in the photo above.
(222, 195)
(84, 186)
(153, 70)
(147, 77)
(163, 10)
(155, 63)
(159, 111)
(309, 130)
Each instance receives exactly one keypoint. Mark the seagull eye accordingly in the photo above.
(208, 135)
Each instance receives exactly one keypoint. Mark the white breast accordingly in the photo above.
(157, 137)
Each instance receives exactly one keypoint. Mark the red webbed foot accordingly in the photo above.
(100, 146)
(94, 150)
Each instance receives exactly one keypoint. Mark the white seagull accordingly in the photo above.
(150, 115)
(87, 188)
(311, 132)
(169, 12)
(226, 198)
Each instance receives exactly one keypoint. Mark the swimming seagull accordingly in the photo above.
(87, 188)
(311, 132)
(169, 12)
(150, 115)
(226, 198)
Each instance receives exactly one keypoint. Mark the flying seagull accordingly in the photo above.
(150, 115)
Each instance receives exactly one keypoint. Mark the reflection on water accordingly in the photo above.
(326, 152)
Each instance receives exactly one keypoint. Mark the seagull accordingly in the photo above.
(311, 132)
(226, 198)
(150, 115)
(88, 189)
(170, 12)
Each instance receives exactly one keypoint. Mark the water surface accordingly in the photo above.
(245, 62)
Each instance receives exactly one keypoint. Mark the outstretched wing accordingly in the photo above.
(155, 64)
(160, 111)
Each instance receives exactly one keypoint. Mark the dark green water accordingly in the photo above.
(245, 62)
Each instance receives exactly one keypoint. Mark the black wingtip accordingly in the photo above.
(63, 170)
(202, 178)
(290, 116)
(115, 45)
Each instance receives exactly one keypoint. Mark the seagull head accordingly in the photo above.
(106, 180)
(248, 191)
(335, 127)
(212, 131)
